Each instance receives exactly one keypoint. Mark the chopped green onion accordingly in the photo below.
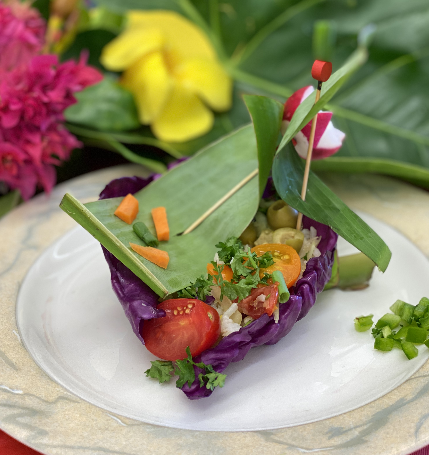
(407, 312)
(424, 322)
(363, 323)
(397, 344)
(396, 308)
(392, 320)
(143, 233)
(402, 333)
(283, 290)
(386, 331)
(384, 344)
(427, 343)
(416, 335)
(421, 308)
(409, 349)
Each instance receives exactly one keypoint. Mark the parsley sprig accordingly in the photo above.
(164, 370)
(245, 266)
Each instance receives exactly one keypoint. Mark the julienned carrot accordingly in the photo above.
(158, 257)
(128, 209)
(159, 215)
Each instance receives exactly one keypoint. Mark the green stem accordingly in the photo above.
(350, 273)
(189, 9)
(378, 124)
(153, 165)
(411, 173)
(355, 271)
(127, 138)
(259, 83)
(270, 28)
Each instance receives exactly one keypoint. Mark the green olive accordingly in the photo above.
(289, 236)
(265, 237)
(249, 235)
(280, 215)
(260, 223)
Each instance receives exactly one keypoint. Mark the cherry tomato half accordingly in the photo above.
(188, 322)
(226, 273)
(257, 307)
(286, 259)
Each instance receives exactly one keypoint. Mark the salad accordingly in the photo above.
(256, 288)
(245, 315)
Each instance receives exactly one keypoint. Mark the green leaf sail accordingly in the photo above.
(267, 117)
(323, 205)
(187, 192)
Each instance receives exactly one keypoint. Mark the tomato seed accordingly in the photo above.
(190, 305)
(179, 308)
(175, 312)
(187, 311)
(181, 312)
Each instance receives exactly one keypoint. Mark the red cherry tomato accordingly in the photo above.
(188, 322)
(256, 308)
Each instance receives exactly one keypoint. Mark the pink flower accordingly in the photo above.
(22, 32)
(328, 139)
(33, 138)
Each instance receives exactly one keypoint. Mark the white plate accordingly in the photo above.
(44, 415)
(75, 329)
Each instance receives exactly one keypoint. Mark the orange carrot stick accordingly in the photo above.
(158, 257)
(128, 209)
(159, 215)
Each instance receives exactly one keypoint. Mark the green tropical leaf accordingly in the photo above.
(267, 117)
(267, 48)
(187, 192)
(323, 205)
(104, 106)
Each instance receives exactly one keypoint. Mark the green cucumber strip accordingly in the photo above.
(409, 349)
(363, 323)
(416, 335)
(392, 320)
(384, 344)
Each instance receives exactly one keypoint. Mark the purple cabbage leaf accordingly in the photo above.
(140, 302)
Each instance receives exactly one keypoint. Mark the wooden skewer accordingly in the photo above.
(309, 156)
(220, 201)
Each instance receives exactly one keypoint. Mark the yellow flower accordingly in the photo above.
(172, 71)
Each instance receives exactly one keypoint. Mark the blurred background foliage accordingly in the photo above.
(266, 47)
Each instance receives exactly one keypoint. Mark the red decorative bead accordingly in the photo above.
(321, 71)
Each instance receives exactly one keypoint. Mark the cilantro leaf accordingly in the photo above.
(265, 260)
(212, 380)
(185, 371)
(229, 249)
(161, 370)
(241, 289)
(200, 289)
